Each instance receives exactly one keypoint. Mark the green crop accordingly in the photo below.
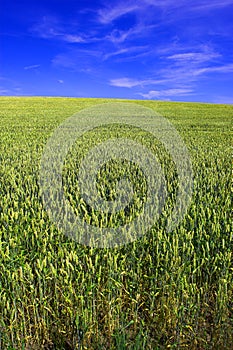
(167, 290)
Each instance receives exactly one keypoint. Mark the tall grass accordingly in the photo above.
(164, 291)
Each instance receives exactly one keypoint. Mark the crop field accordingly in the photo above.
(167, 289)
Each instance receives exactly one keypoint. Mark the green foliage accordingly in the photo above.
(164, 291)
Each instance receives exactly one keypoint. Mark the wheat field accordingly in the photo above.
(166, 290)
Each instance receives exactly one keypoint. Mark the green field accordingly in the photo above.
(167, 290)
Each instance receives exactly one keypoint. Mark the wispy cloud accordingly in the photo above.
(178, 68)
(178, 74)
(51, 28)
(157, 48)
(71, 38)
(138, 30)
(60, 81)
(228, 68)
(117, 36)
(4, 91)
(34, 66)
(166, 93)
(11, 91)
(126, 51)
(214, 4)
(67, 60)
(191, 6)
(193, 57)
(129, 83)
(111, 13)
(126, 82)
(185, 65)
(79, 60)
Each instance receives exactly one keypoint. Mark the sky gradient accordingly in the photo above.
(141, 49)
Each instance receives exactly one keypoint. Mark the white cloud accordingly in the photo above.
(118, 36)
(185, 6)
(110, 13)
(171, 71)
(51, 28)
(34, 66)
(180, 74)
(13, 91)
(4, 91)
(167, 93)
(70, 38)
(125, 51)
(60, 81)
(190, 73)
(125, 82)
(138, 30)
(214, 4)
(228, 68)
(188, 66)
(78, 59)
(129, 83)
(193, 57)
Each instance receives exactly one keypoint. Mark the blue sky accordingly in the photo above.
(141, 49)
